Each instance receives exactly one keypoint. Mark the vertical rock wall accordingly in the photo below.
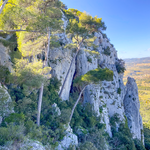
(6, 104)
(4, 56)
(106, 97)
(132, 106)
(60, 60)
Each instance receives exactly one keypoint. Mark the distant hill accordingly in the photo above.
(138, 60)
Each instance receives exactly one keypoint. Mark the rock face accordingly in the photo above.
(60, 60)
(32, 145)
(27, 144)
(132, 106)
(6, 105)
(4, 57)
(56, 110)
(68, 140)
(106, 97)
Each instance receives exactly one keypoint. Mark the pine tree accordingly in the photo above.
(91, 77)
(81, 29)
(37, 19)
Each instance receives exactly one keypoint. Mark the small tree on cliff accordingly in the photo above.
(91, 77)
(81, 29)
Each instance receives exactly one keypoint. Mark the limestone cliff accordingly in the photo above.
(132, 106)
(6, 104)
(4, 56)
(109, 97)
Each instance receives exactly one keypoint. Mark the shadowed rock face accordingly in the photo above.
(6, 104)
(4, 57)
(132, 106)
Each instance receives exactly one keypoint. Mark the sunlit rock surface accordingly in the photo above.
(132, 106)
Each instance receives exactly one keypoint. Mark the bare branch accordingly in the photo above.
(18, 30)
(3, 5)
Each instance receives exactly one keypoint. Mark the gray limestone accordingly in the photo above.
(104, 96)
(132, 106)
(4, 57)
(68, 140)
(6, 104)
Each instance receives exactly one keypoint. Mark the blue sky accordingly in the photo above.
(127, 21)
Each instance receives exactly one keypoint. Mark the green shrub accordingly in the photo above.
(104, 35)
(87, 146)
(83, 116)
(122, 139)
(89, 59)
(11, 133)
(120, 66)
(15, 118)
(4, 74)
(114, 119)
(147, 137)
(147, 144)
(52, 127)
(97, 137)
(138, 144)
(24, 104)
(107, 51)
(119, 91)
(65, 115)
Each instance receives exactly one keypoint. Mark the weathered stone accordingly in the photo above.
(105, 94)
(26, 145)
(6, 104)
(60, 60)
(132, 106)
(68, 140)
(4, 57)
(32, 145)
(56, 110)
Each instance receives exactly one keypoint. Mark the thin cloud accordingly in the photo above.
(148, 50)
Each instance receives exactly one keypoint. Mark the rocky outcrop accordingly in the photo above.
(32, 145)
(69, 139)
(56, 110)
(6, 104)
(106, 97)
(60, 60)
(4, 56)
(26, 144)
(132, 106)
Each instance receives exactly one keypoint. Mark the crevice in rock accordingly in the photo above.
(74, 89)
